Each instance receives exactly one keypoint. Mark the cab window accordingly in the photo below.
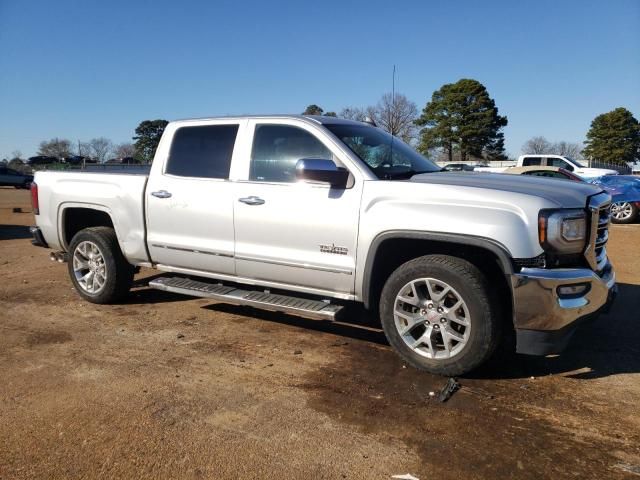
(277, 149)
(559, 162)
(545, 173)
(530, 161)
(202, 151)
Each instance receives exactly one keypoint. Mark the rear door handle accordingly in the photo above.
(252, 200)
(161, 194)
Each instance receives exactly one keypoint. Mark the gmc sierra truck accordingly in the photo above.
(304, 215)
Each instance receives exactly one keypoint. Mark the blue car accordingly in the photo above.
(625, 194)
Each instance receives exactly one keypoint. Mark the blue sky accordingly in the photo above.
(83, 69)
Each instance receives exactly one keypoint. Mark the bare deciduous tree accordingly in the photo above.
(56, 147)
(353, 113)
(100, 149)
(568, 149)
(84, 149)
(396, 114)
(537, 145)
(124, 150)
(540, 145)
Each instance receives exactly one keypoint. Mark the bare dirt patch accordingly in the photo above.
(165, 386)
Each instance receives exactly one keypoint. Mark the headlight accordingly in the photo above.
(562, 231)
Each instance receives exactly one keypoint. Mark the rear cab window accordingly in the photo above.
(531, 161)
(202, 151)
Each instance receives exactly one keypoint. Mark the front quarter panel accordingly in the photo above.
(504, 218)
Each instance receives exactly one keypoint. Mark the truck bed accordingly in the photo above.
(120, 194)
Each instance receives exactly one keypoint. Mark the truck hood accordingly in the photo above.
(595, 172)
(565, 193)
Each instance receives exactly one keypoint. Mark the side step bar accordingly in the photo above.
(318, 309)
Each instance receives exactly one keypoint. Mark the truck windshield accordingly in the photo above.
(575, 162)
(389, 158)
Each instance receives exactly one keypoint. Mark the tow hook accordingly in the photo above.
(60, 257)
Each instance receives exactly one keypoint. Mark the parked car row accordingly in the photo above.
(624, 189)
(12, 178)
(48, 160)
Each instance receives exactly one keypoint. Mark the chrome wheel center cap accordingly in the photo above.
(432, 316)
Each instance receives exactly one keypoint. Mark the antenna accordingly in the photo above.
(393, 87)
(392, 112)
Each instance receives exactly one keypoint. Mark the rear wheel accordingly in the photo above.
(437, 313)
(623, 212)
(97, 268)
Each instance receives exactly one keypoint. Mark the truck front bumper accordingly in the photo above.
(546, 315)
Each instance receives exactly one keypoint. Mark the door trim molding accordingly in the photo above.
(191, 250)
(308, 266)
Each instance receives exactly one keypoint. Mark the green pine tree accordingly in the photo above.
(147, 137)
(463, 117)
(614, 137)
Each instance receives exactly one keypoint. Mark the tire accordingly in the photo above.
(469, 345)
(108, 265)
(623, 212)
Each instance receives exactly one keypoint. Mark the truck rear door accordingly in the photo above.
(189, 199)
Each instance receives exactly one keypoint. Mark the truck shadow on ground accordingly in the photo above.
(608, 346)
(12, 232)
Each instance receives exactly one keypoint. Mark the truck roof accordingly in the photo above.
(320, 119)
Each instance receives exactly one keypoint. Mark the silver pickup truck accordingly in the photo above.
(305, 215)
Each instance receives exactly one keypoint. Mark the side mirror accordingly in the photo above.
(322, 171)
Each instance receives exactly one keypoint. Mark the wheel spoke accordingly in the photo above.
(410, 300)
(452, 334)
(435, 296)
(412, 321)
(425, 339)
(87, 278)
(453, 316)
(79, 264)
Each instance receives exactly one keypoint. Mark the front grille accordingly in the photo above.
(596, 251)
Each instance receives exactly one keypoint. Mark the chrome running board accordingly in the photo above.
(264, 299)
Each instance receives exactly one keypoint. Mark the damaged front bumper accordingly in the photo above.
(548, 305)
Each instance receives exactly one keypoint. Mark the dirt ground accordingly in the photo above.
(166, 386)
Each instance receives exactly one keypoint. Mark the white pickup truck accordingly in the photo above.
(547, 160)
(306, 215)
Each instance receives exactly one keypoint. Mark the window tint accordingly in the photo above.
(529, 161)
(558, 162)
(203, 151)
(277, 149)
(546, 173)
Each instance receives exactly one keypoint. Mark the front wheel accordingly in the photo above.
(97, 268)
(623, 212)
(438, 315)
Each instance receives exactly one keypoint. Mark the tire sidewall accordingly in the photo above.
(477, 348)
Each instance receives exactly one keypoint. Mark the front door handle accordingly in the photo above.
(161, 194)
(252, 200)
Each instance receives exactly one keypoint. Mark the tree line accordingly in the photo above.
(462, 122)
(97, 150)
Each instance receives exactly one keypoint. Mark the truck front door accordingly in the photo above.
(189, 199)
(290, 232)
